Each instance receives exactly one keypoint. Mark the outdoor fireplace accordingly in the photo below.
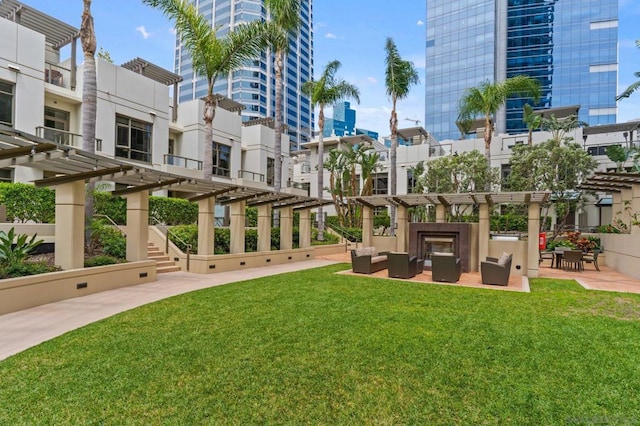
(426, 239)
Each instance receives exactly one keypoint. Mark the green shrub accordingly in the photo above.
(172, 211)
(509, 222)
(222, 241)
(181, 235)
(110, 239)
(607, 229)
(23, 269)
(382, 220)
(328, 238)
(553, 244)
(100, 260)
(14, 249)
(250, 240)
(251, 216)
(26, 202)
(113, 207)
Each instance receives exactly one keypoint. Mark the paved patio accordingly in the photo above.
(605, 280)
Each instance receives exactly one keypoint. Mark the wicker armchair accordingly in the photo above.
(367, 260)
(496, 271)
(401, 265)
(445, 268)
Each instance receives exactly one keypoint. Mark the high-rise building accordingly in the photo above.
(254, 85)
(343, 122)
(570, 46)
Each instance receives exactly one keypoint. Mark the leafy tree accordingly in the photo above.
(89, 103)
(327, 90)
(559, 127)
(558, 166)
(284, 20)
(466, 172)
(400, 75)
(488, 98)
(532, 119)
(633, 86)
(212, 56)
(104, 55)
(618, 155)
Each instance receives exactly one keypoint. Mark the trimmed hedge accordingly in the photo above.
(26, 202)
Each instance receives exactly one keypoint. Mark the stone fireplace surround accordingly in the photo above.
(460, 232)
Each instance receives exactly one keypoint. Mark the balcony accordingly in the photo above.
(304, 186)
(187, 163)
(62, 137)
(57, 75)
(246, 174)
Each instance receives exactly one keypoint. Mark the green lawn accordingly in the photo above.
(319, 348)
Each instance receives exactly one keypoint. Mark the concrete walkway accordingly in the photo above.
(30, 327)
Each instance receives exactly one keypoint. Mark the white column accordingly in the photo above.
(69, 229)
(532, 244)
(206, 225)
(236, 239)
(137, 225)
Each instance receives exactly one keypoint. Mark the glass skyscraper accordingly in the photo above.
(570, 46)
(254, 85)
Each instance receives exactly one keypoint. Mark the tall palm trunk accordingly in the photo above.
(321, 172)
(277, 177)
(89, 95)
(210, 104)
(393, 124)
(488, 133)
(277, 150)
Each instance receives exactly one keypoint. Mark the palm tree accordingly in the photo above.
(532, 119)
(400, 75)
(212, 56)
(328, 90)
(89, 95)
(634, 86)
(284, 18)
(488, 98)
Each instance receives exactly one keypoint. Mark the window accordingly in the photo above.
(54, 121)
(221, 159)
(380, 183)
(411, 182)
(6, 103)
(6, 175)
(133, 139)
(271, 171)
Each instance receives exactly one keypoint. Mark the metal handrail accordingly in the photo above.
(177, 160)
(63, 137)
(113, 222)
(343, 233)
(166, 239)
(250, 175)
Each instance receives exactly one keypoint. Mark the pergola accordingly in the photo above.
(624, 187)
(67, 169)
(484, 200)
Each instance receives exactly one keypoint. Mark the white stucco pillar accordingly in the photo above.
(367, 226)
(635, 207)
(69, 229)
(137, 225)
(484, 231)
(264, 227)
(286, 228)
(206, 225)
(304, 229)
(441, 213)
(402, 233)
(236, 239)
(533, 254)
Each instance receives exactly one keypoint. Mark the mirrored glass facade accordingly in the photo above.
(570, 46)
(254, 85)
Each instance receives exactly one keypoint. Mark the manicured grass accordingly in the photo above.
(319, 348)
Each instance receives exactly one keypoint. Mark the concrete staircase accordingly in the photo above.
(164, 264)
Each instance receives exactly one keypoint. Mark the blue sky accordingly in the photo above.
(351, 31)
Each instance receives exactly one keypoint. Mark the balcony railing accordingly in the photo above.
(246, 174)
(57, 75)
(62, 137)
(305, 186)
(187, 163)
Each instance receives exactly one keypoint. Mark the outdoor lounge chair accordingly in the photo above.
(591, 258)
(367, 260)
(401, 265)
(445, 268)
(547, 254)
(496, 271)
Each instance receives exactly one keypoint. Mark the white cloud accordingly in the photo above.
(172, 31)
(330, 35)
(372, 80)
(420, 22)
(142, 30)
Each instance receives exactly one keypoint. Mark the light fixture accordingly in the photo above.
(13, 67)
(152, 113)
